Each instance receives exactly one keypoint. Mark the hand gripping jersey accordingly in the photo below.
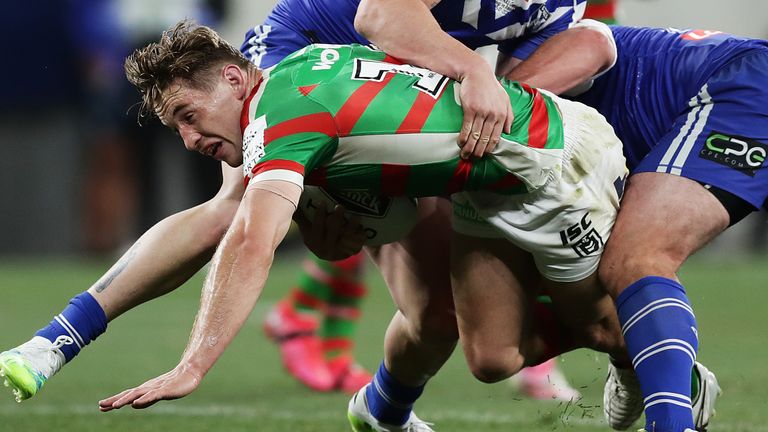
(690, 103)
(351, 117)
(518, 26)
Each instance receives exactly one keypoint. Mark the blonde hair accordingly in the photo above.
(186, 51)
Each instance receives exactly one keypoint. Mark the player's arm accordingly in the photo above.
(565, 60)
(170, 252)
(407, 30)
(238, 272)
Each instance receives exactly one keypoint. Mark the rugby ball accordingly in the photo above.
(384, 219)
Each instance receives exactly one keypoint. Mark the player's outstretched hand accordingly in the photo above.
(175, 384)
(487, 113)
(332, 235)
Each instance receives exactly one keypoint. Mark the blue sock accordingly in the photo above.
(82, 321)
(389, 401)
(660, 331)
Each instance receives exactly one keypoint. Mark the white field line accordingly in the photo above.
(478, 418)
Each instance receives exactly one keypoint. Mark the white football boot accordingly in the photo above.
(622, 398)
(28, 366)
(361, 419)
(704, 402)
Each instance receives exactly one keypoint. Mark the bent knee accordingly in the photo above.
(490, 367)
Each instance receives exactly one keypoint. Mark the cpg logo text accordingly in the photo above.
(739, 153)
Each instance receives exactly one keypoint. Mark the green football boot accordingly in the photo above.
(27, 367)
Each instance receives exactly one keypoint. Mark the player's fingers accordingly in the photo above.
(333, 226)
(148, 399)
(128, 398)
(354, 239)
(466, 129)
(474, 137)
(489, 125)
(108, 403)
(495, 137)
(350, 247)
(317, 230)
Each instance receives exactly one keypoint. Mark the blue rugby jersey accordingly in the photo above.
(518, 26)
(658, 71)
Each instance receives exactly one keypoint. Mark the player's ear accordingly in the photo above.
(235, 77)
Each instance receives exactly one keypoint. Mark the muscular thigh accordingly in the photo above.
(663, 219)
(416, 268)
(494, 284)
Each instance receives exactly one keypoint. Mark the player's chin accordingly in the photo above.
(234, 162)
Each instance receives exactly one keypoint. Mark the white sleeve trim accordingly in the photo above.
(279, 174)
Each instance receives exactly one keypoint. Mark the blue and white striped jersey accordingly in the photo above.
(517, 26)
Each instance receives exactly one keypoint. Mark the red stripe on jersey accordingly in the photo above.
(506, 182)
(244, 120)
(418, 114)
(355, 106)
(389, 59)
(460, 176)
(538, 128)
(318, 177)
(321, 122)
(277, 164)
(394, 179)
(600, 11)
(306, 90)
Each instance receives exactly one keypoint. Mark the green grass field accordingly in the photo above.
(248, 390)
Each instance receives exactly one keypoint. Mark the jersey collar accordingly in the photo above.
(244, 114)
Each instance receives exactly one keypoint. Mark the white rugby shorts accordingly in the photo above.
(565, 223)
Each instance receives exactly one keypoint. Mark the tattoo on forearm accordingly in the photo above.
(116, 269)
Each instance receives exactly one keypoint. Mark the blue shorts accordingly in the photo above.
(722, 138)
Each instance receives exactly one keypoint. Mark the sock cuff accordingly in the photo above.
(644, 282)
(391, 384)
(92, 306)
(93, 310)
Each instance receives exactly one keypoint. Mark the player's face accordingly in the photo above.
(208, 121)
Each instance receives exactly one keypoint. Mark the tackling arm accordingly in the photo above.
(238, 272)
(407, 30)
(565, 60)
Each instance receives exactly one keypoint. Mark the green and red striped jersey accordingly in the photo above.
(352, 117)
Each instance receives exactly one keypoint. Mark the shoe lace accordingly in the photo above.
(61, 341)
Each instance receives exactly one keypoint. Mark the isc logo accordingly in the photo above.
(582, 237)
(327, 58)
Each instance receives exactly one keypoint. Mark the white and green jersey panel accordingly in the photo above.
(351, 117)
